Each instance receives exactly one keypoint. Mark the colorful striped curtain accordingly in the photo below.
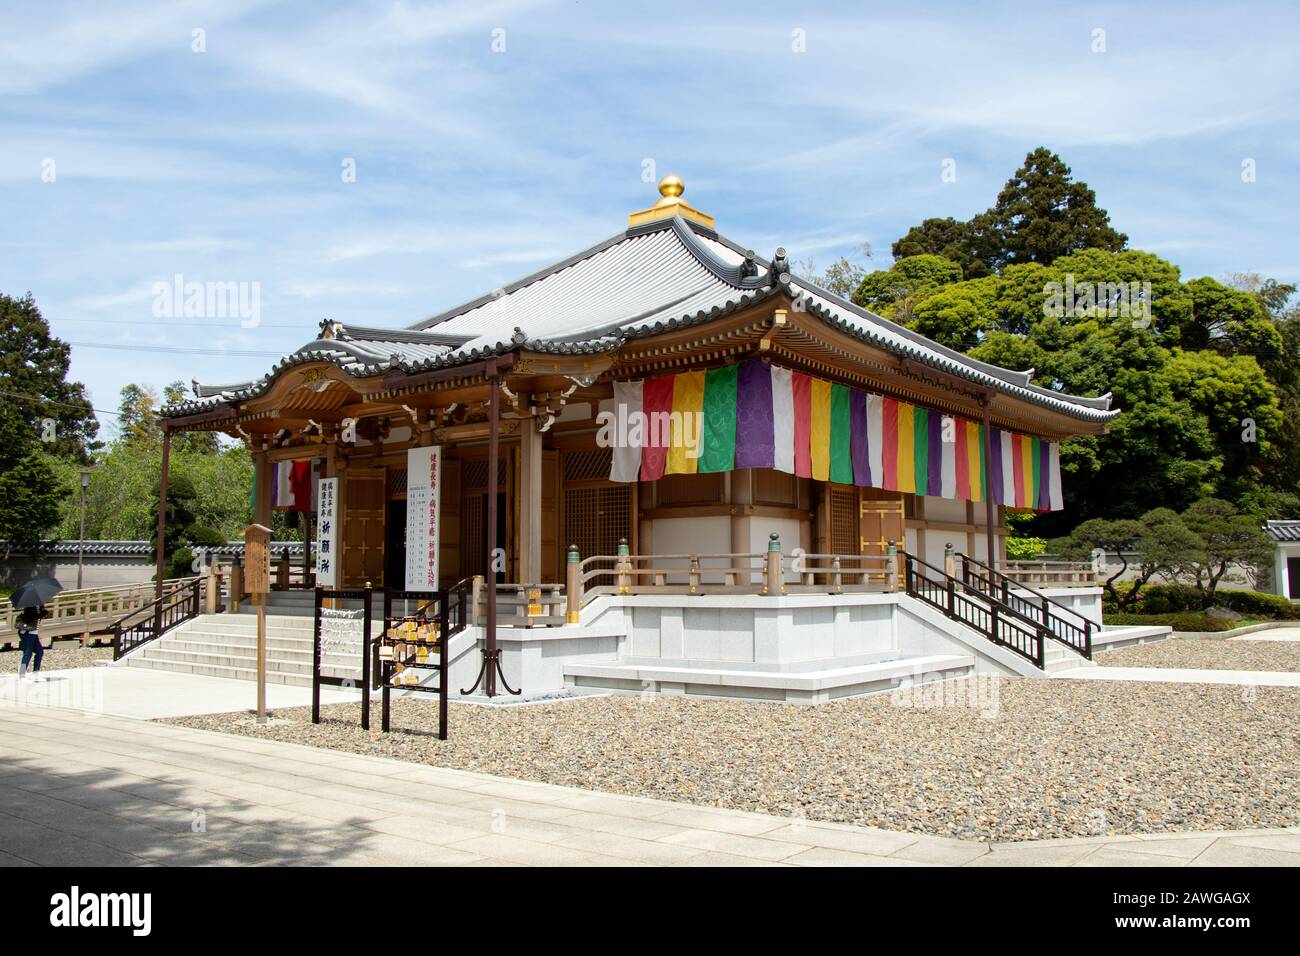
(757, 415)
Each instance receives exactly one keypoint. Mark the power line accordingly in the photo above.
(49, 401)
(121, 347)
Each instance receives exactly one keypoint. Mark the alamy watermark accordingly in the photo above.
(178, 298)
(626, 428)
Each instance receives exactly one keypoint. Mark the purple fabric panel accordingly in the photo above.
(858, 438)
(754, 416)
(934, 445)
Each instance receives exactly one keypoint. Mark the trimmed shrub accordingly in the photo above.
(1181, 621)
(1259, 604)
(1185, 598)
(1167, 599)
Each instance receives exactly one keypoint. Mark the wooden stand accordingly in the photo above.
(257, 568)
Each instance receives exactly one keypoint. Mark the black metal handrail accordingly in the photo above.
(1038, 611)
(148, 623)
(990, 617)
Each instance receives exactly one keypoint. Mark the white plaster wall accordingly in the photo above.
(1281, 578)
(708, 535)
(790, 530)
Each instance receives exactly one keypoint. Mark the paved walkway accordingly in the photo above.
(83, 790)
(148, 694)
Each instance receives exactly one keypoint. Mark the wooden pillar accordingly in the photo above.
(493, 480)
(162, 509)
(262, 501)
(530, 502)
(989, 508)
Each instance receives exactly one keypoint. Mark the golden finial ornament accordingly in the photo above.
(670, 204)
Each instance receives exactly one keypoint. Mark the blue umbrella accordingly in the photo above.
(36, 593)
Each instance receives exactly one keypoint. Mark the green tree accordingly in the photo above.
(949, 238)
(44, 420)
(1225, 538)
(34, 386)
(1158, 540)
(1040, 215)
(896, 291)
(137, 414)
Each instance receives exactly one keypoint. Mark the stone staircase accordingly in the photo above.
(225, 645)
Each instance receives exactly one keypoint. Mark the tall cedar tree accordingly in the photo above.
(1041, 214)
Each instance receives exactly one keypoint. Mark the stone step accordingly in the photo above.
(795, 687)
(161, 654)
(219, 670)
(274, 651)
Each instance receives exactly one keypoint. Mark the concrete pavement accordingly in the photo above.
(84, 790)
(149, 694)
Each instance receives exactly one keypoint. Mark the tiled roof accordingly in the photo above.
(1283, 530)
(664, 275)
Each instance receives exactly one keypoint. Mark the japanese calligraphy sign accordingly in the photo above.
(423, 479)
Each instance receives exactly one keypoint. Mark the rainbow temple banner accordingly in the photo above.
(758, 415)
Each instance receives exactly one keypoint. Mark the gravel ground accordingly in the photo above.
(1229, 655)
(1035, 759)
(62, 655)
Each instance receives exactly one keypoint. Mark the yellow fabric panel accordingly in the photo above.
(688, 424)
(906, 448)
(974, 451)
(820, 430)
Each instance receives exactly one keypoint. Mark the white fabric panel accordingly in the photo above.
(876, 439)
(1056, 499)
(627, 408)
(783, 419)
(948, 482)
(1008, 476)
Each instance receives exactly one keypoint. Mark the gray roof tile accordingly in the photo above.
(661, 276)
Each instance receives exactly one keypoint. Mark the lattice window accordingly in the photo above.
(588, 465)
(474, 474)
(596, 518)
(844, 521)
(396, 482)
(472, 532)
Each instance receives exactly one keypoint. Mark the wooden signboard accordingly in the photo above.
(257, 560)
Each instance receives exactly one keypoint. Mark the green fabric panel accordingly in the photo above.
(841, 460)
(921, 448)
(1035, 469)
(719, 437)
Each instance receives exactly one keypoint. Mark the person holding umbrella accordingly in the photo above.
(32, 597)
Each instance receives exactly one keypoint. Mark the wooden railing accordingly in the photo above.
(1051, 574)
(520, 605)
(990, 617)
(724, 573)
(1063, 622)
(179, 604)
(82, 613)
(674, 574)
(843, 573)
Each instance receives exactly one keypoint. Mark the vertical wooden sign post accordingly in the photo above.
(257, 569)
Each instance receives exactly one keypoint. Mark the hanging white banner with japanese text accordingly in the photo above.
(327, 534)
(423, 477)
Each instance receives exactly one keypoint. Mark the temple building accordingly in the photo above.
(673, 404)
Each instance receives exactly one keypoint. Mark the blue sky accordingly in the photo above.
(475, 166)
